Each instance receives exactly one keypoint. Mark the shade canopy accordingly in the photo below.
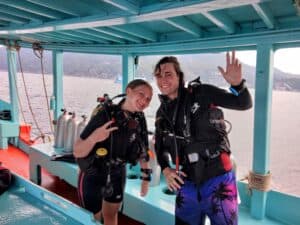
(148, 26)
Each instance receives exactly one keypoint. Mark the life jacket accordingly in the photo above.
(128, 144)
(5, 179)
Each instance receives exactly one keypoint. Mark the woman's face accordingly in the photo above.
(167, 80)
(139, 98)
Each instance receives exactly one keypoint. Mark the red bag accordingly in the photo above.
(5, 179)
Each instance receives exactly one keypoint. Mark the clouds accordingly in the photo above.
(286, 60)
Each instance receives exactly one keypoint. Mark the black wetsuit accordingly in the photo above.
(128, 144)
(198, 125)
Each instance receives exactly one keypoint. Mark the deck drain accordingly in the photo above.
(132, 176)
(166, 191)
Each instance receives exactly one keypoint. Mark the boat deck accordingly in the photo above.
(18, 162)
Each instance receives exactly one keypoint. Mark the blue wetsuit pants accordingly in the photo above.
(215, 198)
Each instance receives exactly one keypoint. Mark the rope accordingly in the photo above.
(26, 93)
(261, 182)
(16, 84)
(38, 51)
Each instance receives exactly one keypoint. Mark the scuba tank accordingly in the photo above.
(155, 167)
(60, 129)
(70, 133)
(81, 126)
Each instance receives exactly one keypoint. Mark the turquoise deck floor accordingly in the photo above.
(26, 203)
(19, 208)
(158, 207)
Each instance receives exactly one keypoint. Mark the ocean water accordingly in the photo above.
(80, 96)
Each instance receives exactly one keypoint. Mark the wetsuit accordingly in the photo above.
(128, 144)
(193, 126)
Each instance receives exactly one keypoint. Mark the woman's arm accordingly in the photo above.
(83, 147)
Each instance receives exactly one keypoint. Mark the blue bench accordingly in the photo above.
(8, 129)
(156, 207)
(40, 156)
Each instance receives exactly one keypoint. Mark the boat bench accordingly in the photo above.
(8, 129)
(40, 157)
(155, 208)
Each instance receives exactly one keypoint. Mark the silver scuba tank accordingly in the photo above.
(81, 126)
(155, 167)
(70, 133)
(60, 127)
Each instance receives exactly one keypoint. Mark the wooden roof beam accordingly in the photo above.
(124, 5)
(20, 13)
(185, 25)
(173, 9)
(107, 35)
(159, 12)
(60, 6)
(118, 34)
(97, 37)
(77, 35)
(11, 18)
(47, 37)
(32, 8)
(265, 14)
(137, 31)
(221, 20)
(69, 38)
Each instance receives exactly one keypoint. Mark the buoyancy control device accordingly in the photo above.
(203, 139)
(138, 149)
(133, 124)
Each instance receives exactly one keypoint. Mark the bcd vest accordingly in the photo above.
(128, 144)
(201, 136)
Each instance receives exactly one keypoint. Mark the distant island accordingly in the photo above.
(109, 67)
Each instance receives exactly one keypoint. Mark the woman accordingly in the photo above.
(191, 128)
(115, 135)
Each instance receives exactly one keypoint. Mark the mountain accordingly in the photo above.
(109, 66)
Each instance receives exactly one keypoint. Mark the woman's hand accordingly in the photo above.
(233, 72)
(82, 148)
(103, 132)
(144, 187)
(174, 180)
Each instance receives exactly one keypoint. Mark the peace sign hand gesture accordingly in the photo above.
(101, 133)
(233, 73)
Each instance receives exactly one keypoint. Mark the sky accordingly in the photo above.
(286, 60)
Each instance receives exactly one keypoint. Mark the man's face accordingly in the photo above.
(167, 80)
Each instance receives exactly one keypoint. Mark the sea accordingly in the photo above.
(80, 96)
